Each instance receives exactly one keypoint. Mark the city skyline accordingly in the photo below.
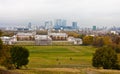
(85, 12)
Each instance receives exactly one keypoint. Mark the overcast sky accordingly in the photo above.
(85, 12)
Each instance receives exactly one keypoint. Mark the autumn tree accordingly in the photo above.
(0, 33)
(88, 40)
(72, 33)
(107, 40)
(116, 39)
(1, 43)
(5, 57)
(98, 42)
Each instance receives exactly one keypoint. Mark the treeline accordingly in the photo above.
(112, 41)
(106, 56)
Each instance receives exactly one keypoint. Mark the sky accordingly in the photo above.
(86, 12)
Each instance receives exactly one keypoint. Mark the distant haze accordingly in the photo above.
(86, 12)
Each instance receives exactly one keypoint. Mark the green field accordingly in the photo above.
(58, 59)
(60, 56)
(61, 60)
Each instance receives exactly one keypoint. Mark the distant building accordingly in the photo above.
(71, 39)
(94, 28)
(58, 36)
(48, 25)
(22, 29)
(43, 40)
(29, 25)
(59, 24)
(74, 25)
(2, 28)
(76, 41)
(114, 32)
(21, 36)
(9, 40)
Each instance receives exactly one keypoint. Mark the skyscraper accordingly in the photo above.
(29, 25)
(94, 28)
(48, 25)
(74, 25)
(60, 23)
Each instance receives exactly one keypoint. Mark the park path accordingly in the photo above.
(60, 69)
(2, 71)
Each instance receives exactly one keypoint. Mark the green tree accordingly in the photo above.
(105, 57)
(81, 36)
(19, 56)
(115, 47)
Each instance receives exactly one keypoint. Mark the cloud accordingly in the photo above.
(85, 11)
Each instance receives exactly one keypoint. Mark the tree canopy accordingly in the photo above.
(88, 40)
(105, 57)
(19, 56)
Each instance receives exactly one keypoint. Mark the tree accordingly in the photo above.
(88, 40)
(73, 33)
(98, 42)
(116, 39)
(1, 44)
(5, 57)
(105, 57)
(0, 33)
(81, 36)
(107, 40)
(115, 47)
(19, 56)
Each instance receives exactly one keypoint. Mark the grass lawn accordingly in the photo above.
(60, 56)
(58, 59)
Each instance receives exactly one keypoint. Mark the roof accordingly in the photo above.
(25, 34)
(58, 34)
(5, 37)
(42, 37)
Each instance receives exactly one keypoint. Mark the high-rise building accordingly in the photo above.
(48, 25)
(74, 25)
(94, 28)
(60, 23)
(29, 25)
